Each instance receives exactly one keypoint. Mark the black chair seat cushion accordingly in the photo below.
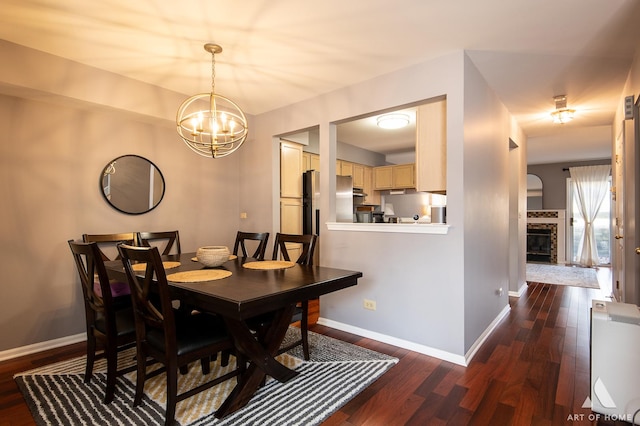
(121, 302)
(125, 323)
(193, 332)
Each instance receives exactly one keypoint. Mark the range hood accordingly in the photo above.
(358, 192)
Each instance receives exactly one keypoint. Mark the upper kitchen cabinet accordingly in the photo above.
(372, 196)
(310, 161)
(358, 176)
(431, 147)
(355, 170)
(344, 168)
(290, 170)
(401, 176)
(382, 178)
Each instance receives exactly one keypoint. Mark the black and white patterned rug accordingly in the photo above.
(337, 371)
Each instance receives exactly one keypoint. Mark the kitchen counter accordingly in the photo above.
(403, 227)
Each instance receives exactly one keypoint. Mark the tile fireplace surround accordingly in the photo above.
(555, 221)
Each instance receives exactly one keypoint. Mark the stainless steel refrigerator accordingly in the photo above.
(311, 201)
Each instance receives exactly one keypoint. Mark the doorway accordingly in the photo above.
(601, 225)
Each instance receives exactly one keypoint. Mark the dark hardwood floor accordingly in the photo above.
(533, 370)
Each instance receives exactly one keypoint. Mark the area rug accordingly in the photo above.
(336, 372)
(562, 275)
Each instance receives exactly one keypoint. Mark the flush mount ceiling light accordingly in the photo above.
(393, 121)
(562, 114)
(210, 124)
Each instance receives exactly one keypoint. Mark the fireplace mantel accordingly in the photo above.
(552, 217)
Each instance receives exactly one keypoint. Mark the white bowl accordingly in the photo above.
(212, 255)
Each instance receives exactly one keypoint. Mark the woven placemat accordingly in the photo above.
(139, 267)
(231, 257)
(269, 264)
(199, 275)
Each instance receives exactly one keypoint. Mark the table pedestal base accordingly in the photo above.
(261, 355)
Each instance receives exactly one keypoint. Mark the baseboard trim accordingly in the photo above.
(42, 346)
(520, 291)
(415, 347)
(401, 343)
(487, 332)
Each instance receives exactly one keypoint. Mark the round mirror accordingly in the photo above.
(132, 184)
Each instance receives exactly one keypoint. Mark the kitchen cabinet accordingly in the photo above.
(431, 147)
(344, 168)
(291, 165)
(310, 161)
(383, 177)
(291, 222)
(358, 175)
(293, 162)
(290, 170)
(373, 197)
(355, 170)
(404, 176)
(394, 177)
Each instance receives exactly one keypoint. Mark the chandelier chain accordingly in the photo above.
(213, 72)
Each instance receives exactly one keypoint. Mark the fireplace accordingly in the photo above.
(539, 245)
(551, 222)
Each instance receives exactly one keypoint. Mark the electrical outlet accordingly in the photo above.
(370, 304)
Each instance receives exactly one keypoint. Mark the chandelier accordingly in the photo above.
(562, 114)
(210, 124)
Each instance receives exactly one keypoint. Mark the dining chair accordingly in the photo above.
(301, 312)
(173, 340)
(107, 243)
(108, 251)
(170, 240)
(283, 242)
(111, 326)
(261, 237)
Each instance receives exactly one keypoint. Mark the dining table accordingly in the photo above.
(243, 288)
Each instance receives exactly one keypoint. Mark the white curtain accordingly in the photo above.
(591, 183)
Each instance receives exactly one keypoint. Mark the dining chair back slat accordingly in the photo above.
(307, 241)
(166, 241)
(108, 242)
(242, 237)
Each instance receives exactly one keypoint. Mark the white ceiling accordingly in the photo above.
(278, 52)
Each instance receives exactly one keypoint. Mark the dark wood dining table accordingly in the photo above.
(244, 295)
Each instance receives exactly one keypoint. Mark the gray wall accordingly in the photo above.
(52, 158)
(438, 291)
(554, 181)
(435, 291)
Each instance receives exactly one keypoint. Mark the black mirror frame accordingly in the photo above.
(100, 185)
